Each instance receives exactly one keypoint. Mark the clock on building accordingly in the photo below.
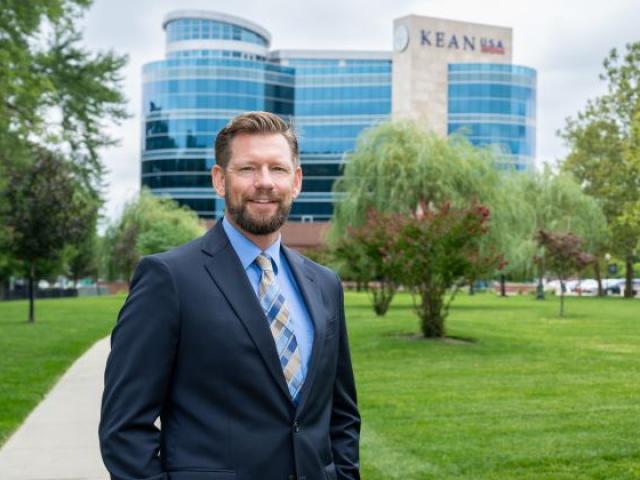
(401, 38)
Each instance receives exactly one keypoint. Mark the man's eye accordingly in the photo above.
(280, 169)
(246, 169)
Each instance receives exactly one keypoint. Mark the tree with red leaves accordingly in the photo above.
(365, 251)
(438, 250)
(563, 255)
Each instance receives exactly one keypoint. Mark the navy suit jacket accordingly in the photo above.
(192, 346)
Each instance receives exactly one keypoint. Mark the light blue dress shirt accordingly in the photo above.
(299, 316)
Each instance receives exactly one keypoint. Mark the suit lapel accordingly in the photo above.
(313, 299)
(225, 269)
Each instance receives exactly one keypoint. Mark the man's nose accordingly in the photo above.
(264, 178)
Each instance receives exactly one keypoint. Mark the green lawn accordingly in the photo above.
(534, 397)
(34, 356)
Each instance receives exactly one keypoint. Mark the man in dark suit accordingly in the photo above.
(235, 342)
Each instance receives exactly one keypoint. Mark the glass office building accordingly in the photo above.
(495, 104)
(337, 96)
(218, 66)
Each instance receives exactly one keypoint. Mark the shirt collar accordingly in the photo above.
(246, 250)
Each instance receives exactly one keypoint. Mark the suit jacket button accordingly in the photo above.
(296, 427)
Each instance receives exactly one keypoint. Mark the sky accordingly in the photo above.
(565, 41)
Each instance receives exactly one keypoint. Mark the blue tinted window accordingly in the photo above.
(196, 29)
(177, 181)
(177, 165)
(498, 104)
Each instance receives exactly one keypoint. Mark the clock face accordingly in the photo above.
(401, 38)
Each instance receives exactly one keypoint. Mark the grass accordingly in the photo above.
(34, 356)
(533, 397)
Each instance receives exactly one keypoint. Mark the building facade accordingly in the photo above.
(453, 76)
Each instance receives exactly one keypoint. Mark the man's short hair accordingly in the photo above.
(259, 123)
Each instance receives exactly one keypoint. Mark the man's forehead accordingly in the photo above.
(275, 138)
(260, 145)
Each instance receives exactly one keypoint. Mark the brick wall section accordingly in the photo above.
(300, 236)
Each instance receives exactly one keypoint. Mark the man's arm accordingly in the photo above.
(345, 418)
(143, 346)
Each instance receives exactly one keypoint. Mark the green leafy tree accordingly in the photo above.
(555, 202)
(562, 253)
(398, 165)
(54, 94)
(82, 259)
(8, 267)
(48, 208)
(150, 224)
(53, 91)
(512, 225)
(604, 146)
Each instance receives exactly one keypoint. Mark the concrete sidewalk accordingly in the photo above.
(59, 439)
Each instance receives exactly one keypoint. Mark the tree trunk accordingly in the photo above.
(431, 314)
(382, 297)
(540, 289)
(598, 274)
(540, 286)
(628, 275)
(503, 285)
(32, 274)
(563, 289)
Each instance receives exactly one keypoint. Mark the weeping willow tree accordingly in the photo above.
(551, 202)
(399, 165)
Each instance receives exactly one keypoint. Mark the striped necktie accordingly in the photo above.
(275, 308)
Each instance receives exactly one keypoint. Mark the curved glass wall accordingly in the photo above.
(495, 104)
(334, 101)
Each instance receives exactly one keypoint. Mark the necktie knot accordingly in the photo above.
(264, 262)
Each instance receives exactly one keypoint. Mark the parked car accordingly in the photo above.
(635, 287)
(586, 287)
(555, 286)
(614, 287)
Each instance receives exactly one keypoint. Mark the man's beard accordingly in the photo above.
(262, 225)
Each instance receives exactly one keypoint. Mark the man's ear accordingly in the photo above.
(217, 180)
(297, 182)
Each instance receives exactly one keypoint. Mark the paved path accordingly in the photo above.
(59, 439)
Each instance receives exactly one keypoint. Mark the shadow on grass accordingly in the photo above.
(455, 306)
(504, 306)
(449, 339)
(25, 323)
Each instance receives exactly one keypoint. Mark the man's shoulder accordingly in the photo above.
(182, 254)
(321, 271)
